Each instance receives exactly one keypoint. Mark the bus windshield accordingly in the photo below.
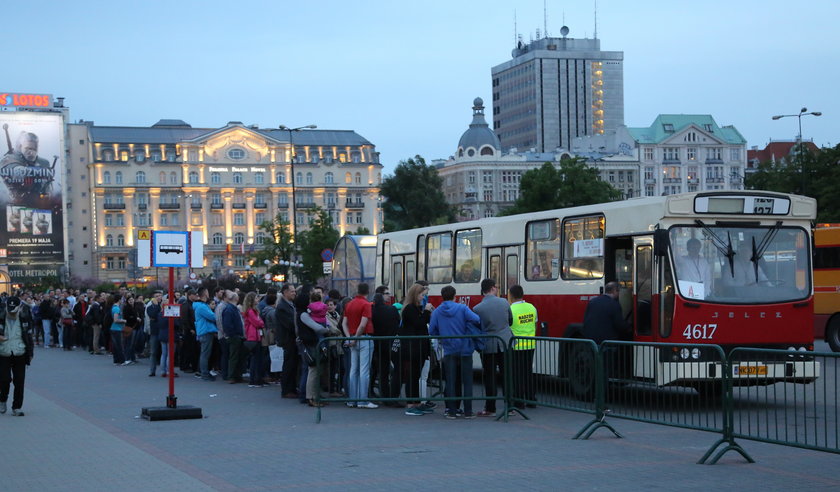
(741, 265)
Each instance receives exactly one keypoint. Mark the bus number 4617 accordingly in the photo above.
(700, 332)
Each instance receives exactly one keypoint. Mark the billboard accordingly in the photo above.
(31, 216)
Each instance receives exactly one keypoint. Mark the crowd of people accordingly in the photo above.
(240, 337)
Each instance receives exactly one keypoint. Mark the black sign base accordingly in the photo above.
(166, 413)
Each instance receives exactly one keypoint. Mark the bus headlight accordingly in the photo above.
(695, 353)
(684, 353)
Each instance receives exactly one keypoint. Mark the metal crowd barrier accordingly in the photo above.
(785, 397)
(410, 370)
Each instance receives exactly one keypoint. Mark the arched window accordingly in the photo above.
(193, 177)
(358, 178)
(173, 178)
(106, 177)
(238, 238)
(348, 178)
(260, 238)
(215, 178)
(139, 156)
(140, 177)
(237, 178)
(328, 178)
(120, 240)
(162, 178)
(281, 178)
(487, 150)
(299, 178)
(118, 178)
(217, 238)
(109, 240)
(309, 178)
(259, 178)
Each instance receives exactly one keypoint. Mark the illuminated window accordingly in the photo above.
(348, 178)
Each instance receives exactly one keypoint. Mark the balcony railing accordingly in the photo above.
(115, 206)
(714, 180)
(169, 206)
(217, 206)
(195, 206)
(672, 180)
(142, 206)
(260, 205)
(239, 205)
(650, 181)
(305, 205)
(354, 205)
(283, 205)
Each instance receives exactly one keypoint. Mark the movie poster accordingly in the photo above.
(31, 168)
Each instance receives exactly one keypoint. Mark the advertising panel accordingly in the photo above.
(31, 221)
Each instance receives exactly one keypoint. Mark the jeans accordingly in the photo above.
(288, 380)
(116, 346)
(224, 355)
(153, 342)
(236, 361)
(204, 357)
(459, 381)
(164, 357)
(256, 368)
(128, 347)
(47, 324)
(94, 344)
(12, 370)
(489, 365)
(360, 355)
(523, 375)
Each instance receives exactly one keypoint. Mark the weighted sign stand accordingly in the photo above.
(174, 251)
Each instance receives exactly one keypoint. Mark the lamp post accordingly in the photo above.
(292, 212)
(802, 112)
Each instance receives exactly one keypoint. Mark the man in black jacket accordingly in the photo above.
(189, 343)
(603, 319)
(16, 351)
(47, 314)
(285, 337)
(386, 320)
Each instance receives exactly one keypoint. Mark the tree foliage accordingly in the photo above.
(573, 184)
(278, 245)
(413, 197)
(320, 236)
(814, 174)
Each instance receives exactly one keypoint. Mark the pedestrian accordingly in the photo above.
(66, 324)
(386, 320)
(129, 314)
(357, 324)
(602, 319)
(189, 339)
(310, 333)
(117, 323)
(524, 326)
(286, 339)
(451, 319)
(224, 352)
(412, 355)
(496, 319)
(46, 312)
(93, 319)
(205, 331)
(154, 315)
(253, 339)
(235, 334)
(16, 352)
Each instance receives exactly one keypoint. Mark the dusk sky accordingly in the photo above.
(404, 74)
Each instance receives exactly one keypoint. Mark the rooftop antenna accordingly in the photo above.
(596, 20)
(545, 19)
(515, 29)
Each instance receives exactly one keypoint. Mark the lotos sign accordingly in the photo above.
(18, 100)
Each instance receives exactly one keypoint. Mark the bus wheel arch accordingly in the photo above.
(832, 332)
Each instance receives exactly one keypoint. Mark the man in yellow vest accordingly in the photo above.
(524, 325)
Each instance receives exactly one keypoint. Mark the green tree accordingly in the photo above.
(278, 245)
(362, 231)
(573, 184)
(413, 197)
(320, 236)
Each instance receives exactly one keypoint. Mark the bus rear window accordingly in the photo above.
(542, 257)
(439, 258)
(583, 248)
(826, 257)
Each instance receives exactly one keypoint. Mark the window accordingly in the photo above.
(671, 153)
(173, 178)
(162, 178)
(237, 178)
(156, 156)
(121, 263)
(349, 217)
(259, 198)
(358, 178)
(164, 219)
(239, 261)
(313, 158)
(216, 199)
(216, 219)
(260, 238)
(542, 254)
(298, 178)
(120, 220)
(281, 178)
(109, 240)
(734, 154)
(140, 177)
(421, 258)
(648, 153)
(691, 153)
(236, 154)
(668, 127)
(239, 238)
(284, 200)
(328, 178)
(120, 240)
(358, 217)
(109, 221)
(109, 263)
(217, 238)
(299, 218)
(487, 176)
(583, 247)
(215, 178)
(239, 218)
(468, 255)
(439, 247)
(118, 178)
(330, 200)
(106, 177)
(193, 177)
(309, 178)
(139, 156)
(196, 219)
(259, 178)
(348, 178)
(713, 153)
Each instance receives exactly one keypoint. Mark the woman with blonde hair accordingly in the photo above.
(413, 353)
(253, 338)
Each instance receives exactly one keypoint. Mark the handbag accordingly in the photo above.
(127, 331)
(395, 346)
(67, 321)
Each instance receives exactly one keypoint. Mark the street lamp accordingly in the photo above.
(802, 112)
(292, 213)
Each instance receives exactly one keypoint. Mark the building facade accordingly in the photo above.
(223, 182)
(554, 90)
(778, 152)
(681, 153)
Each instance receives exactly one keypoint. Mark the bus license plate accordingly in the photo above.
(749, 370)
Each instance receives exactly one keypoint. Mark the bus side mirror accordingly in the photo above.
(660, 242)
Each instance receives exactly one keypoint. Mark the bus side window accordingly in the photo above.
(666, 299)
(495, 272)
(542, 251)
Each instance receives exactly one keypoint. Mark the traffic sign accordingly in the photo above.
(267, 277)
(327, 254)
(171, 249)
(327, 267)
(144, 234)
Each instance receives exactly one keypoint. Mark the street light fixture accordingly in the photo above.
(292, 213)
(802, 112)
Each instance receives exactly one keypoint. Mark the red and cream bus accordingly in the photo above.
(827, 284)
(746, 282)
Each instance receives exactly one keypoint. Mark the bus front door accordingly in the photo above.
(503, 267)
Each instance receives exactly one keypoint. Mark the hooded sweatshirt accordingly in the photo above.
(452, 318)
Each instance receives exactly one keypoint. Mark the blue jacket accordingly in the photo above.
(205, 320)
(452, 318)
(158, 325)
(232, 321)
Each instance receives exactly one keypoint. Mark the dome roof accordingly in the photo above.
(479, 133)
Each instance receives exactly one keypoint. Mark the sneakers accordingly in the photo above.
(370, 405)
(469, 415)
(414, 411)
(429, 404)
(254, 385)
(214, 373)
(449, 415)
(197, 375)
(16, 412)
(485, 413)
(427, 407)
(2, 407)
(350, 404)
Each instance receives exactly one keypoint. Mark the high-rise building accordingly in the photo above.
(557, 89)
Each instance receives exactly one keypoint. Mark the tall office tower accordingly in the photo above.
(556, 89)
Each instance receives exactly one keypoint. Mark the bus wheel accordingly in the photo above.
(581, 371)
(832, 333)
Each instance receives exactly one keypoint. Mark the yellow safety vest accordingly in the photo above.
(524, 324)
